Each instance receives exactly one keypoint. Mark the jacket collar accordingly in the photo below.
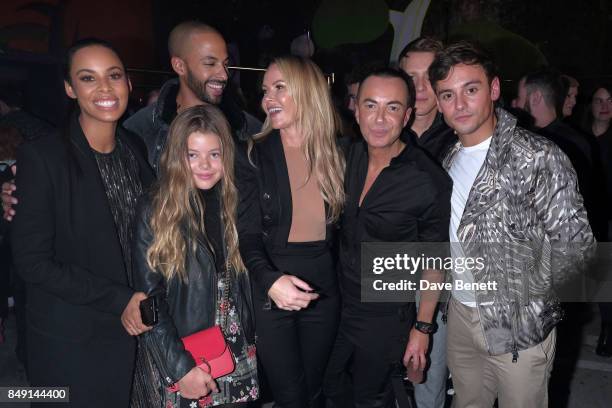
(500, 142)
(165, 109)
(404, 156)
(435, 125)
(78, 138)
(80, 143)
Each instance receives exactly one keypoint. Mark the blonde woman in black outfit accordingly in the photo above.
(299, 173)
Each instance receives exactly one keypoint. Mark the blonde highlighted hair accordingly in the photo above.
(177, 210)
(318, 123)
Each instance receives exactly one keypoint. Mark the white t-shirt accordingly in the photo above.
(463, 171)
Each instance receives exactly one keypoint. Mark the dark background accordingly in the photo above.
(573, 36)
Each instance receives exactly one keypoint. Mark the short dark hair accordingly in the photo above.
(393, 73)
(548, 82)
(422, 44)
(461, 52)
(80, 44)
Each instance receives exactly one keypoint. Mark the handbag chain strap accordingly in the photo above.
(225, 299)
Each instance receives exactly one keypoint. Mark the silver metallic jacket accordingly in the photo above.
(526, 218)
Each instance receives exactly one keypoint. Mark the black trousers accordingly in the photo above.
(294, 346)
(367, 352)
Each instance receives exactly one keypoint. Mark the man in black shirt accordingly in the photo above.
(395, 193)
(428, 128)
(430, 132)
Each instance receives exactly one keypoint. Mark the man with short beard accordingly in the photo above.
(198, 55)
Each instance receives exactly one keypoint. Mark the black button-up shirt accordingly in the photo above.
(408, 202)
(437, 140)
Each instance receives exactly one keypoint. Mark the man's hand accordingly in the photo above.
(131, 319)
(8, 201)
(196, 384)
(291, 293)
(416, 350)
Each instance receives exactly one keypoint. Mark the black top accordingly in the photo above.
(212, 224)
(408, 202)
(119, 172)
(583, 151)
(436, 140)
(605, 150)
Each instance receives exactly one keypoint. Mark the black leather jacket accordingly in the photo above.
(184, 308)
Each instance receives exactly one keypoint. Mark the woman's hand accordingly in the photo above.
(291, 293)
(196, 384)
(131, 318)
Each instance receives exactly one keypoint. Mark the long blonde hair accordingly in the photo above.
(177, 210)
(318, 122)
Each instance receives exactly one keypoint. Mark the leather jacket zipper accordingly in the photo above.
(162, 367)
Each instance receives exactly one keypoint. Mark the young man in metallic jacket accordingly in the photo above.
(516, 204)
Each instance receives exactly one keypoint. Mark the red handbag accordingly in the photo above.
(209, 348)
(210, 351)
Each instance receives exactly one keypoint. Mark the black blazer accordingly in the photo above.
(65, 245)
(266, 191)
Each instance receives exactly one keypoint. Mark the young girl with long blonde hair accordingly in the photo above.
(186, 255)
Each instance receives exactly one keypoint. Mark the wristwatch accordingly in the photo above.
(426, 328)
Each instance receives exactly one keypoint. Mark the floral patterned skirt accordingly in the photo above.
(239, 386)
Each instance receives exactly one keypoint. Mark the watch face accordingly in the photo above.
(426, 328)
